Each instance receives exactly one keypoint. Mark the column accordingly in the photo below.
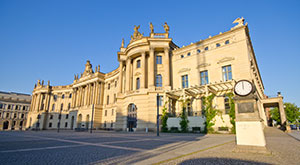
(128, 74)
(166, 80)
(143, 77)
(151, 68)
(120, 77)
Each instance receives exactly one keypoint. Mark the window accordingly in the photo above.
(198, 51)
(7, 115)
(108, 86)
(218, 45)
(15, 115)
(160, 100)
(138, 63)
(138, 83)
(227, 42)
(115, 98)
(227, 74)
(182, 56)
(9, 106)
(112, 112)
(66, 124)
(206, 48)
(104, 124)
(17, 107)
(158, 60)
(50, 125)
(1, 106)
(69, 106)
(42, 106)
(61, 106)
(105, 114)
(70, 95)
(67, 116)
(51, 116)
(185, 81)
(53, 107)
(22, 116)
(226, 105)
(204, 77)
(189, 54)
(107, 100)
(116, 83)
(54, 97)
(0, 114)
(111, 124)
(158, 81)
(24, 108)
(63, 96)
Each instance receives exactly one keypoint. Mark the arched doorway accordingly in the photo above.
(5, 125)
(72, 122)
(79, 121)
(131, 117)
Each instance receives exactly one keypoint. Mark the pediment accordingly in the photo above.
(203, 65)
(184, 70)
(225, 59)
(137, 74)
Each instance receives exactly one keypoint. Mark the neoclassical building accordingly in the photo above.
(125, 99)
(14, 108)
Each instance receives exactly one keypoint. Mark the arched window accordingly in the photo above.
(189, 54)
(138, 83)
(63, 96)
(218, 45)
(227, 42)
(70, 96)
(138, 63)
(69, 106)
(158, 80)
(198, 51)
(108, 86)
(206, 48)
(61, 106)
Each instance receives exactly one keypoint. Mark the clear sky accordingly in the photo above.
(51, 40)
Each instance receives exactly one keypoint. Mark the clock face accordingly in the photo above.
(243, 88)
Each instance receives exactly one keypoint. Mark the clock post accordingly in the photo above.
(249, 126)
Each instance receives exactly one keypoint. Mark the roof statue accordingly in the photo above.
(48, 83)
(98, 68)
(122, 44)
(166, 27)
(136, 33)
(151, 28)
(239, 21)
(88, 68)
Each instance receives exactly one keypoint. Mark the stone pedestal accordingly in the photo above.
(249, 126)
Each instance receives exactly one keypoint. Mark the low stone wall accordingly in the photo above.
(194, 121)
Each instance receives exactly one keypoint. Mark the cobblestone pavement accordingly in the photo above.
(68, 147)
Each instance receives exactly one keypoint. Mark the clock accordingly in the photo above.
(243, 88)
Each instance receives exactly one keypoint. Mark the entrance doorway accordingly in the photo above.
(131, 117)
(72, 123)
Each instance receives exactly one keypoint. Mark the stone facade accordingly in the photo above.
(14, 108)
(125, 99)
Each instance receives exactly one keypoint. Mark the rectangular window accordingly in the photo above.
(107, 100)
(160, 100)
(227, 73)
(1, 106)
(112, 112)
(138, 83)
(66, 124)
(51, 116)
(50, 125)
(115, 98)
(138, 63)
(204, 77)
(67, 116)
(158, 60)
(158, 81)
(185, 81)
(105, 113)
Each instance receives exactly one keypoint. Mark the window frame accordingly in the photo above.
(158, 80)
(204, 77)
(158, 59)
(226, 73)
(185, 81)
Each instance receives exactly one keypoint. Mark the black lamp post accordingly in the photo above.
(157, 120)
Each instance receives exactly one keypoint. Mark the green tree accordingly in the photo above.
(292, 112)
(275, 115)
(184, 121)
(231, 111)
(210, 113)
(164, 118)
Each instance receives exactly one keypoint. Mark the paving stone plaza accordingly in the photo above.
(102, 147)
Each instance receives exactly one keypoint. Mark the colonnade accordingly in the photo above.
(87, 94)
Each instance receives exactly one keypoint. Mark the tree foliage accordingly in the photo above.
(164, 118)
(231, 111)
(210, 113)
(292, 112)
(275, 115)
(184, 121)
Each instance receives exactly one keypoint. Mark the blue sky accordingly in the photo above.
(51, 40)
